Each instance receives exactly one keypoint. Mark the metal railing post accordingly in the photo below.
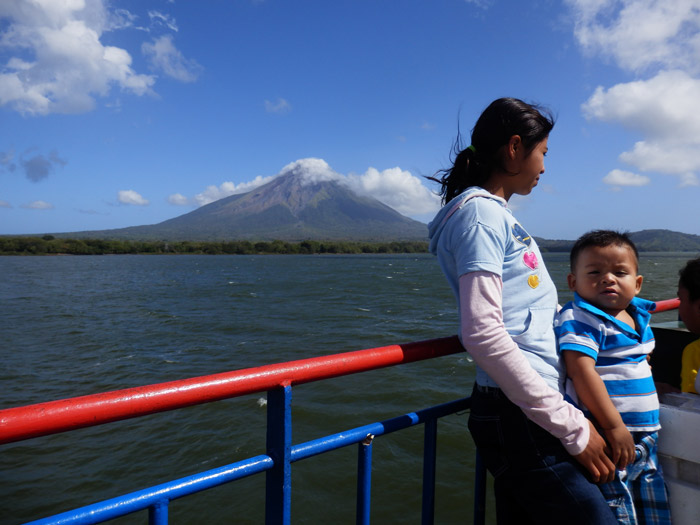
(429, 459)
(364, 480)
(278, 483)
(158, 513)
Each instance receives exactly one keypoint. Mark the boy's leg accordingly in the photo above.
(646, 482)
(619, 497)
(539, 481)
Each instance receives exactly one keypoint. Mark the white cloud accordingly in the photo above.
(165, 57)
(625, 178)
(131, 197)
(658, 107)
(662, 38)
(397, 189)
(226, 189)
(178, 199)
(5, 204)
(638, 34)
(38, 205)
(279, 106)
(311, 170)
(158, 18)
(60, 63)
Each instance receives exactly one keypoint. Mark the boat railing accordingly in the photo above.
(21, 423)
(277, 380)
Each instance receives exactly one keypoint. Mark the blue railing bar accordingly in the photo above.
(429, 460)
(158, 513)
(143, 499)
(356, 435)
(364, 480)
(151, 496)
(278, 485)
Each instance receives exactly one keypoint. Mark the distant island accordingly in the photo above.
(293, 214)
(646, 241)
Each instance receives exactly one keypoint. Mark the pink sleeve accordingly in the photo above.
(485, 338)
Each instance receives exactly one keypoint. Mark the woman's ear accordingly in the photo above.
(515, 143)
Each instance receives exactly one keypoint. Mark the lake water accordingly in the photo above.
(72, 326)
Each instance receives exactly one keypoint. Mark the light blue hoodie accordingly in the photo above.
(476, 231)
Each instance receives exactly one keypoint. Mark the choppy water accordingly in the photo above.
(79, 325)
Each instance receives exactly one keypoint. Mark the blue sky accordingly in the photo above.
(123, 113)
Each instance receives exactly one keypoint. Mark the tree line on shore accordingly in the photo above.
(50, 245)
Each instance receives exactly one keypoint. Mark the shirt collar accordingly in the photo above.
(639, 309)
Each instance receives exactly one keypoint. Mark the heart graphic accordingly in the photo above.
(530, 260)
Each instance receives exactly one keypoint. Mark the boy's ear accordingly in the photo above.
(639, 284)
(571, 280)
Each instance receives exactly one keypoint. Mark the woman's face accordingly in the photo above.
(529, 167)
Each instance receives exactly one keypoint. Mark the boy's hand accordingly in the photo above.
(621, 445)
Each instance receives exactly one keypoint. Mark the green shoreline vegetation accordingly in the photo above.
(646, 241)
(49, 245)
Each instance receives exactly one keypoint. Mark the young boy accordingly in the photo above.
(689, 312)
(605, 339)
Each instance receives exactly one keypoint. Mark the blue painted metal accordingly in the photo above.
(429, 460)
(158, 513)
(277, 465)
(278, 487)
(146, 498)
(364, 480)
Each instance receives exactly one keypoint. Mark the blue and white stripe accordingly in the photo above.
(620, 353)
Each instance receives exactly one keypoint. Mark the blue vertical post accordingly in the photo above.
(364, 480)
(278, 483)
(429, 457)
(479, 490)
(158, 513)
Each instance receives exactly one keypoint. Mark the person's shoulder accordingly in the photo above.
(693, 348)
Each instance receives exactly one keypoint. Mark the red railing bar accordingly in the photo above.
(52, 417)
(666, 305)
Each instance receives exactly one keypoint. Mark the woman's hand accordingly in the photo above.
(595, 460)
(621, 445)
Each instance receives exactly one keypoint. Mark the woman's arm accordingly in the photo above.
(487, 341)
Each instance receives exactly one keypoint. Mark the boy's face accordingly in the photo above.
(606, 277)
(689, 311)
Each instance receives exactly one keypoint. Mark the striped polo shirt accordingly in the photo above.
(620, 353)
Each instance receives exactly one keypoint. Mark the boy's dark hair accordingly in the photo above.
(690, 278)
(600, 239)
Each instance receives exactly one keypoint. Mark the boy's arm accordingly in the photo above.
(591, 391)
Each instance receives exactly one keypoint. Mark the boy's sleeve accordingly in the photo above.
(574, 331)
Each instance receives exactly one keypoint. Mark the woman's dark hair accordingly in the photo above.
(690, 278)
(601, 239)
(505, 117)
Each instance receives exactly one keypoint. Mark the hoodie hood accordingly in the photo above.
(437, 225)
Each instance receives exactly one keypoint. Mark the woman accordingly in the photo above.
(537, 446)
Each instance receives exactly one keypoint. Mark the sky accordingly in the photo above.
(129, 112)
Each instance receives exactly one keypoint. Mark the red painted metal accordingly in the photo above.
(53, 417)
(666, 305)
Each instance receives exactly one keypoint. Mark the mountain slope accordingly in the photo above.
(292, 207)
